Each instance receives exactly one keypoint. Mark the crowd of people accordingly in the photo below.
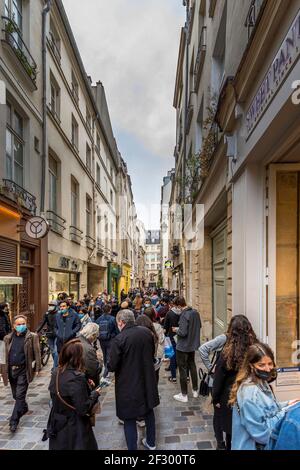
(92, 338)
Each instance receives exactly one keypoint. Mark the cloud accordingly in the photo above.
(132, 47)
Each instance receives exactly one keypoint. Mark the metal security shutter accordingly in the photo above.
(8, 258)
(219, 283)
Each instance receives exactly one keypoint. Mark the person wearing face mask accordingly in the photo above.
(5, 326)
(49, 321)
(68, 324)
(84, 317)
(256, 411)
(88, 337)
(172, 321)
(22, 352)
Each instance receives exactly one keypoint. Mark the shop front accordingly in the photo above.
(126, 278)
(113, 278)
(64, 276)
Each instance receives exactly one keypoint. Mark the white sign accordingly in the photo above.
(288, 376)
(37, 228)
(284, 60)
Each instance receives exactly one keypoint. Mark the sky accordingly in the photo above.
(131, 46)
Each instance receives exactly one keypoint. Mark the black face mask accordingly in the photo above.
(267, 376)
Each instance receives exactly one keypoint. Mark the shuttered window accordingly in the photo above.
(8, 258)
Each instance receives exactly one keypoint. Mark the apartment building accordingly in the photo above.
(237, 153)
(153, 258)
(164, 227)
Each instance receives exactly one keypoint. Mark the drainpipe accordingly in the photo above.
(186, 3)
(46, 10)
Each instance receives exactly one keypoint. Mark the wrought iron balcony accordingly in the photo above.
(100, 248)
(13, 37)
(90, 242)
(18, 194)
(57, 223)
(253, 14)
(200, 58)
(54, 47)
(76, 235)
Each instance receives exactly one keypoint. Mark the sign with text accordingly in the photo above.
(284, 60)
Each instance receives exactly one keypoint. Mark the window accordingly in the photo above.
(14, 146)
(74, 133)
(53, 177)
(55, 98)
(88, 158)
(98, 175)
(14, 10)
(105, 186)
(98, 142)
(111, 237)
(88, 216)
(112, 173)
(75, 87)
(88, 120)
(55, 41)
(111, 198)
(74, 202)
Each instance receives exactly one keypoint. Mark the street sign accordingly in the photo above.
(169, 264)
(37, 228)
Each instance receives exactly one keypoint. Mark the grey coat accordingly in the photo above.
(212, 346)
(91, 363)
(188, 334)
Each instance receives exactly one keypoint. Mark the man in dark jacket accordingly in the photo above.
(49, 321)
(131, 358)
(188, 341)
(5, 326)
(67, 325)
(22, 352)
(172, 321)
(107, 331)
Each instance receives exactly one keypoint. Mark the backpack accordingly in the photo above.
(104, 328)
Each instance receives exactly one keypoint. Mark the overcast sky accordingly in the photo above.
(132, 47)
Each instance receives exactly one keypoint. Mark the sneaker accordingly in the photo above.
(195, 394)
(141, 423)
(173, 380)
(180, 397)
(13, 427)
(146, 445)
(120, 421)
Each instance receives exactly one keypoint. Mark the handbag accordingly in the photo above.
(204, 386)
(92, 414)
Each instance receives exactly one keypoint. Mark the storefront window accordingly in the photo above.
(287, 295)
(63, 282)
(7, 295)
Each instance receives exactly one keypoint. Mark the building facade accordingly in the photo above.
(153, 259)
(164, 227)
(237, 121)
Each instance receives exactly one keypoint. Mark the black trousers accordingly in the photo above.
(19, 386)
(186, 364)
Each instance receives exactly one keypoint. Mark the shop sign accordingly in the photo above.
(67, 263)
(114, 270)
(288, 376)
(282, 64)
(37, 228)
(169, 264)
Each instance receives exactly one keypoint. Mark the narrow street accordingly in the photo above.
(179, 426)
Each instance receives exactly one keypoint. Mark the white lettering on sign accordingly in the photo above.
(280, 67)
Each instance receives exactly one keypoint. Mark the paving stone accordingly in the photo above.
(172, 439)
(181, 431)
(3, 444)
(204, 445)
(180, 418)
(29, 445)
(187, 413)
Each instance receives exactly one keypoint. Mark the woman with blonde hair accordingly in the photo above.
(256, 410)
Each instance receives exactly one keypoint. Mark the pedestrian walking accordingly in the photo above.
(69, 425)
(188, 341)
(256, 410)
(239, 337)
(49, 321)
(88, 337)
(5, 326)
(107, 331)
(131, 358)
(172, 321)
(84, 317)
(23, 360)
(68, 324)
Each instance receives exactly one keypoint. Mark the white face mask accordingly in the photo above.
(176, 310)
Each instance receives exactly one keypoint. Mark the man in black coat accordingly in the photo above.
(132, 359)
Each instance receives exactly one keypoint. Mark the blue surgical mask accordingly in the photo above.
(21, 328)
(64, 311)
(81, 315)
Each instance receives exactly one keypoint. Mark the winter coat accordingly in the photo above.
(67, 330)
(131, 358)
(91, 363)
(212, 346)
(32, 353)
(160, 345)
(188, 335)
(222, 384)
(107, 327)
(49, 320)
(69, 429)
(5, 326)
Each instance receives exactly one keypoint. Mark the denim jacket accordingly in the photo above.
(257, 412)
(286, 434)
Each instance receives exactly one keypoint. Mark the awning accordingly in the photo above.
(9, 281)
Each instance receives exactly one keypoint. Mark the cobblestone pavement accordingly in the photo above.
(179, 426)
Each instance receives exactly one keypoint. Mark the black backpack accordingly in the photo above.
(104, 328)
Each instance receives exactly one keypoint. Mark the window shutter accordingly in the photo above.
(8, 258)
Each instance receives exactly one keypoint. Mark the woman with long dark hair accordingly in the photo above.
(69, 426)
(239, 337)
(255, 408)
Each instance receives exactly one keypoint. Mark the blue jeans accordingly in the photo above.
(173, 362)
(53, 347)
(131, 431)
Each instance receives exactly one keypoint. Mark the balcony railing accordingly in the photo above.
(190, 112)
(100, 248)
(54, 47)
(200, 58)
(57, 223)
(90, 242)
(253, 14)
(76, 235)
(13, 37)
(19, 195)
